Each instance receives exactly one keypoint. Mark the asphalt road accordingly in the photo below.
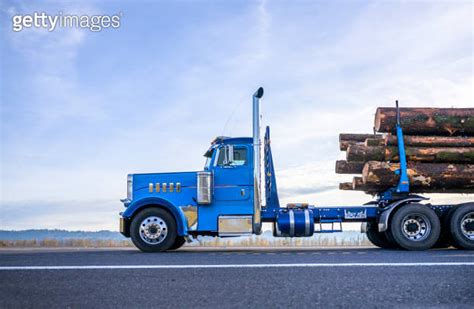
(259, 278)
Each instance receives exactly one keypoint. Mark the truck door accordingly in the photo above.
(233, 189)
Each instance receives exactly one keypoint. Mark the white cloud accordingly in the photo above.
(325, 70)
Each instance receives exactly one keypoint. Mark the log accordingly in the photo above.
(361, 153)
(426, 141)
(346, 139)
(345, 186)
(424, 177)
(344, 167)
(374, 142)
(426, 121)
(358, 185)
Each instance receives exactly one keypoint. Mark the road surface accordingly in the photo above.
(235, 278)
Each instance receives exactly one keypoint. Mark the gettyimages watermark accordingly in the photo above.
(94, 23)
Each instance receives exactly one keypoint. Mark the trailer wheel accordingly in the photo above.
(178, 243)
(153, 230)
(461, 226)
(445, 240)
(393, 243)
(377, 238)
(415, 227)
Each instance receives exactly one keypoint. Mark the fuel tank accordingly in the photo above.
(296, 222)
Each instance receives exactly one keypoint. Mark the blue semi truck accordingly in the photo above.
(163, 210)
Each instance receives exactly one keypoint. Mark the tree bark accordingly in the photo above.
(344, 167)
(345, 186)
(424, 177)
(425, 121)
(347, 139)
(371, 142)
(361, 153)
(358, 185)
(427, 141)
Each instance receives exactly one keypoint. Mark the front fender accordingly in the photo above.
(136, 206)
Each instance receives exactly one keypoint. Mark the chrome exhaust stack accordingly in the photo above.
(257, 198)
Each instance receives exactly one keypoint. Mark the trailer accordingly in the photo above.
(163, 210)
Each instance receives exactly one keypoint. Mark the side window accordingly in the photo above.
(240, 157)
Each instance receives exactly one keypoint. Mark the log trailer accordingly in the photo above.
(163, 210)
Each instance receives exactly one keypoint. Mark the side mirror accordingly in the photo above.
(228, 154)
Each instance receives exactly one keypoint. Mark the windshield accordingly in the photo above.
(208, 156)
(208, 163)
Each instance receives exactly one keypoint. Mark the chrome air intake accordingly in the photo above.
(204, 188)
(257, 199)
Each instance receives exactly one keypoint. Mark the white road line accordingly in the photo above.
(197, 266)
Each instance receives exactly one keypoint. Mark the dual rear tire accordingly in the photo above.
(379, 239)
(418, 227)
(415, 227)
(461, 226)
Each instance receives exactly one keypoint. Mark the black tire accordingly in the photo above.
(391, 240)
(144, 224)
(415, 227)
(378, 239)
(461, 226)
(178, 243)
(445, 240)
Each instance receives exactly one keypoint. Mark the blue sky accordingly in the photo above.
(81, 109)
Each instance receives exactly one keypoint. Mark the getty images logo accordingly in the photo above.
(94, 23)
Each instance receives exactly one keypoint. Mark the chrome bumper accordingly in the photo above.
(124, 227)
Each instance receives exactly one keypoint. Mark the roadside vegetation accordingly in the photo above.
(102, 239)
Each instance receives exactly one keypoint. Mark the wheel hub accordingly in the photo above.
(467, 225)
(153, 230)
(415, 227)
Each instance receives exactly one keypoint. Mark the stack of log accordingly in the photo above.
(439, 146)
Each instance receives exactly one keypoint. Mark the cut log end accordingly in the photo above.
(345, 167)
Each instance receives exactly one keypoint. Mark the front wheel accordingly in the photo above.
(178, 243)
(415, 227)
(461, 226)
(153, 230)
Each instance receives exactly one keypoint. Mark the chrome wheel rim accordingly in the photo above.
(416, 227)
(467, 223)
(153, 230)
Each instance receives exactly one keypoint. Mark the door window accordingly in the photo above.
(240, 157)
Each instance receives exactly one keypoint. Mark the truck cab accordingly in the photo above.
(221, 200)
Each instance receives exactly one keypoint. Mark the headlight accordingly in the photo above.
(130, 187)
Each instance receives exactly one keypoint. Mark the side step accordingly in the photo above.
(332, 222)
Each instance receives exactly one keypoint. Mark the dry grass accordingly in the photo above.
(326, 240)
(73, 242)
(318, 240)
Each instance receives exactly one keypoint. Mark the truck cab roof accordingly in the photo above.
(220, 140)
(231, 140)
